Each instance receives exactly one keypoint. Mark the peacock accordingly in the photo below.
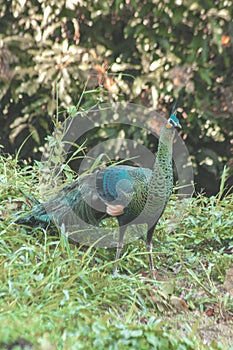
(134, 195)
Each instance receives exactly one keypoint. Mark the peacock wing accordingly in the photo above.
(118, 185)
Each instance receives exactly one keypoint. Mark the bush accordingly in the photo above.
(142, 52)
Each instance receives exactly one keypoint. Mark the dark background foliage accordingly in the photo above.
(140, 51)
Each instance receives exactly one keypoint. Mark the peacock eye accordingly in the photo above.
(171, 122)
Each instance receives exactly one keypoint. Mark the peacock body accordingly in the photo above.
(131, 194)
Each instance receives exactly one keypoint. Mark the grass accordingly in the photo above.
(55, 295)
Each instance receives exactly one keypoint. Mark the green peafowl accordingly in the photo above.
(133, 195)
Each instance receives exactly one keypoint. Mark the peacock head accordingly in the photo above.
(173, 122)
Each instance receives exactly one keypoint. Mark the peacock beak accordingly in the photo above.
(178, 125)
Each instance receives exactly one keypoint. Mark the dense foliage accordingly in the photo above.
(138, 51)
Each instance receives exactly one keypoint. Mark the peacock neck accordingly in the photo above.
(164, 154)
(161, 182)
